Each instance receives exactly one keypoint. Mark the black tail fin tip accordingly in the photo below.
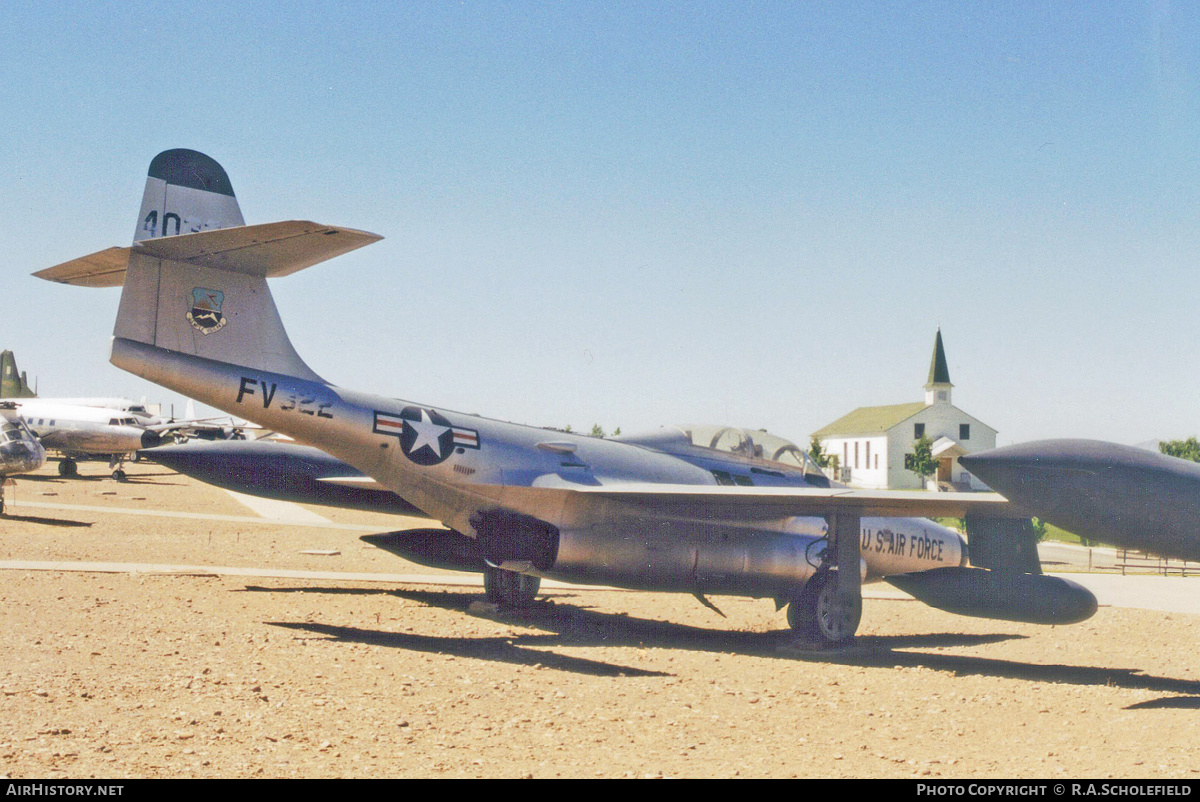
(190, 168)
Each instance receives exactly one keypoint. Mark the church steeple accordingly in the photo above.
(937, 389)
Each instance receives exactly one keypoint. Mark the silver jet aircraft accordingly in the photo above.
(702, 510)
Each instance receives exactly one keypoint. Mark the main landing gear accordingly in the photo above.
(116, 462)
(508, 588)
(68, 468)
(828, 608)
(819, 614)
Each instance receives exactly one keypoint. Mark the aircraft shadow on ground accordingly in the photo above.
(505, 650)
(136, 479)
(569, 625)
(34, 519)
(1168, 703)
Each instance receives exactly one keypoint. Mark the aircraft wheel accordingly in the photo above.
(67, 467)
(818, 614)
(119, 475)
(509, 588)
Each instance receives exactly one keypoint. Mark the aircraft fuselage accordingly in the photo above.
(78, 430)
(459, 469)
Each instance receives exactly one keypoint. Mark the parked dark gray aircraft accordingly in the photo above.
(695, 509)
(1119, 495)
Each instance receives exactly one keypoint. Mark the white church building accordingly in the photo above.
(873, 445)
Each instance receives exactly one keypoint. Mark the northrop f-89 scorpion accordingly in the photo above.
(706, 510)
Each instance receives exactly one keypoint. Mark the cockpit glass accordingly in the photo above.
(753, 444)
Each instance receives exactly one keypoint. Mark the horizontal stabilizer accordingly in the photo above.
(269, 249)
(101, 269)
(266, 250)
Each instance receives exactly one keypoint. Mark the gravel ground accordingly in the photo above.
(166, 675)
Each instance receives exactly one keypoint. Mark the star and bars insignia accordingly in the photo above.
(426, 436)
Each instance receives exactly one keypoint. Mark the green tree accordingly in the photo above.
(921, 461)
(818, 453)
(597, 430)
(1039, 529)
(1184, 449)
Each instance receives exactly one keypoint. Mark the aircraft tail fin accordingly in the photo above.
(194, 281)
(12, 383)
(186, 192)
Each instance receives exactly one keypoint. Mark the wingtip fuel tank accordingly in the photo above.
(1119, 495)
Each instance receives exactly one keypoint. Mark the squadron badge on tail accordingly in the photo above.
(205, 313)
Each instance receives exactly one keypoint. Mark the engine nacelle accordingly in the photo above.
(690, 557)
(516, 542)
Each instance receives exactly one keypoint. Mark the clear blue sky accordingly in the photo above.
(641, 213)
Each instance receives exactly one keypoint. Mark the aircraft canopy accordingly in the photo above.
(745, 443)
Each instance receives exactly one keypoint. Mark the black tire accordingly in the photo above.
(67, 467)
(119, 475)
(817, 614)
(510, 589)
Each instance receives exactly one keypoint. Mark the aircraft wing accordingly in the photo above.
(268, 249)
(765, 502)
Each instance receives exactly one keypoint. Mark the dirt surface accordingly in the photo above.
(115, 675)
